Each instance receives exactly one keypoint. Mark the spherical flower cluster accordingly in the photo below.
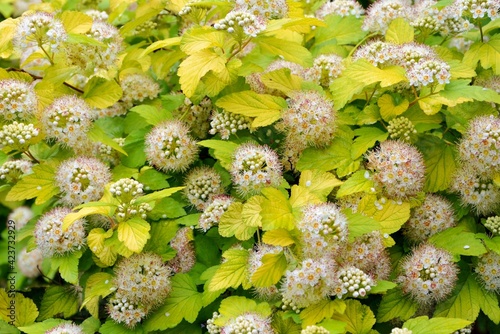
(110, 155)
(479, 192)
(256, 84)
(68, 119)
(341, 8)
(272, 9)
(493, 224)
(401, 331)
(92, 58)
(50, 237)
(352, 282)
(212, 327)
(248, 323)
(254, 263)
(480, 8)
(465, 330)
(147, 26)
(196, 116)
(401, 128)
(452, 21)
(202, 184)
(126, 189)
(169, 146)
(213, 211)
(241, 22)
(29, 263)
(185, 258)
(17, 100)
(309, 118)
(65, 329)
(409, 54)
(138, 87)
(227, 123)
(398, 169)
(376, 52)
(491, 82)
(142, 279)
(18, 136)
(97, 15)
(480, 146)
(11, 171)
(324, 229)
(255, 167)
(488, 271)
(82, 180)
(433, 216)
(428, 72)
(381, 13)
(325, 68)
(117, 109)
(39, 29)
(21, 216)
(313, 329)
(428, 274)
(310, 283)
(123, 311)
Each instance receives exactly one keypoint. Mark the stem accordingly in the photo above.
(242, 46)
(36, 77)
(46, 53)
(420, 98)
(371, 96)
(361, 42)
(258, 236)
(480, 30)
(33, 159)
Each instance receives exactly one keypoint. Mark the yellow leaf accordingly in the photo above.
(399, 32)
(324, 309)
(233, 272)
(290, 51)
(251, 211)
(97, 285)
(98, 209)
(76, 22)
(276, 211)
(460, 69)
(390, 215)
(8, 29)
(231, 223)
(134, 234)
(15, 307)
(301, 196)
(102, 93)
(164, 43)
(96, 242)
(282, 80)
(157, 195)
(39, 184)
(201, 38)
(270, 272)
(388, 110)
(318, 182)
(278, 237)
(194, 67)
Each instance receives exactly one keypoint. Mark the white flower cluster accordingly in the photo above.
(110, 155)
(138, 87)
(341, 8)
(488, 271)
(376, 52)
(18, 100)
(241, 22)
(270, 9)
(29, 263)
(480, 8)
(18, 136)
(493, 224)
(381, 13)
(185, 258)
(11, 171)
(401, 128)
(465, 330)
(213, 211)
(39, 29)
(353, 282)
(429, 71)
(212, 328)
(196, 116)
(21, 215)
(66, 329)
(325, 69)
(313, 329)
(401, 331)
(202, 184)
(126, 189)
(227, 123)
(97, 15)
(123, 311)
(248, 323)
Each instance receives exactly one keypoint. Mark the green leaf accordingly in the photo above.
(338, 31)
(358, 182)
(96, 242)
(300, 197)
(39, 184)
(68, 266)
(43, 327)
(399, 32)
(285, 326)
(464, 302)
(25, 309)
(282, 80)
(5, 328)
(360, 224)
(264, 107)
(98, 285)
(323, 310)
(157, 195)
(366, 137)
(488, 302)
(276, 211)
(153, 179)
(90, 325)
(111, 327)
(424, 325)
(231, 223)
(270, 272)
(318, 182)
(396, 305)
(222, 150)
(382, 287)
(278, 237)
(235, 306)
(391, 216)
(134, 234)
(194, 67)
(287, 50)
(161, 234)
(458, 242)
(358, 317)
(58, 300)
(97, 135)
(459, 91)
(233, 272)
(165, 43)
(334, 326)
(91, 208)
(487, 53)
(388, 109)
(151, 114)
(58, 73)
(201, 38)
(184, 302)
(101, 93)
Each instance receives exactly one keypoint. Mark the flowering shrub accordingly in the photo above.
(243, 166)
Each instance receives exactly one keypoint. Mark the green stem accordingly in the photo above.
(29, 155)
(361, 42)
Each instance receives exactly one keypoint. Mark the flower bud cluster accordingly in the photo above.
(428, 274)
(18, 136)
(169, 146)
(138, 87)
(17, 100)
(213, 211)
(311, 282)
(341, 8)
(488, 271)
(30, 263)
(196, 116)
(66, 328)
(248, 323)
(126, 189)
(324, 229)
(109, 154)
(185, 258)
(39, 29)
(227, 123)
(97, 15)
(241, 22)
(82, 180)
(353, 282)
(202, 184)
(126, 211)
(52, 240)
(21, 215)
(11, 171)
(255, 167)
(313, 329)
(401, 331)
(271, 9)
(433, 216)
(212, 328)
(493, 224)
(401, 128)
(123, 311)
(398, 169)
(325, 68)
